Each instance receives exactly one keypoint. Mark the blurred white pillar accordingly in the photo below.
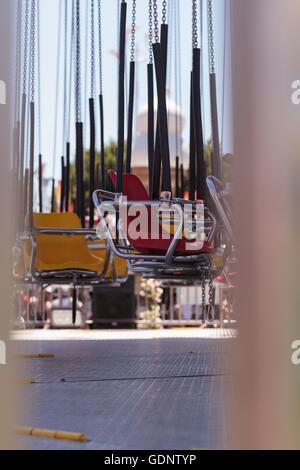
(266, 60)
(7, 215)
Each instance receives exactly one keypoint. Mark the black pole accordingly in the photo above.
(121, 103)
(22, 158)
(40, 183)
(31, 165)
(199, 144)
(216, 161)
(74, 306)
(103, 175)
(92, 159)
(62, 187)
(150, 124)
(182, 181)
(162, 117)
(130, 117)
(53, 196)
(192, 162)
(25, 192)
(67, 176)
(79, 173)
(157, 150)
(177, 189)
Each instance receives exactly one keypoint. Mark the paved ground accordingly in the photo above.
(127, 390)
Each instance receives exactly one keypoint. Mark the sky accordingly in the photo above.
(49, 27)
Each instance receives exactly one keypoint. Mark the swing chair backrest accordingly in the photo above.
(133, 188)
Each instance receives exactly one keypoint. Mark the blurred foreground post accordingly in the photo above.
(7, 17)
(266, 60)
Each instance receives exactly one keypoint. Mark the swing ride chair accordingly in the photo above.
(85, 270)
(184, 267)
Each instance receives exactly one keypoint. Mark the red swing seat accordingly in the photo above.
(134, 190)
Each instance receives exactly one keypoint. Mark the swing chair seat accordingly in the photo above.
(116, 265)
(135, 191)
(59, 252)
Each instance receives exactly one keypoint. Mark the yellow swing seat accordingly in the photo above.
(120, 264)
(59, 252)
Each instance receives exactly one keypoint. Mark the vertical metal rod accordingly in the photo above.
(199, 144)
(25, 194)
(53, 196)
(150, 124)
(103, 175)
(121, 99)
(216, 161)
(158, 151)
(130, 116)
(67, 177)
(74, 306)
(79, 172)
(192, 162)
(182, 181)
(40, 183)
(177, 188)
(31, 172)
(22, 158)
(162, 117)
(63, 185)
(92, 159)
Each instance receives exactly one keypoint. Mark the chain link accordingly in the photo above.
(164, 11)
(203, 298)
(18, 58)
(26, 32)
(211, 299)
(133, 29)
(150, 32)
(100, 45)
(155, 14)
(92, 48)
(211, 37)
(32, 46)
(195, 25)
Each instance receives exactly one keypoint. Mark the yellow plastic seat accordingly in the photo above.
(61, 252)
(120, 264)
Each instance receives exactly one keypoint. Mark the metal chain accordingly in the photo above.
(100, 45)
(164, 11)
(203, 298)
(155, 14)
(18, 60)
(78, 65)
(150, 32)
(211, 299)
(195, 25)
(39, 73)
(92, 48)
(133, 29)
(26, 32)
(211, 37)
(32, 46)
